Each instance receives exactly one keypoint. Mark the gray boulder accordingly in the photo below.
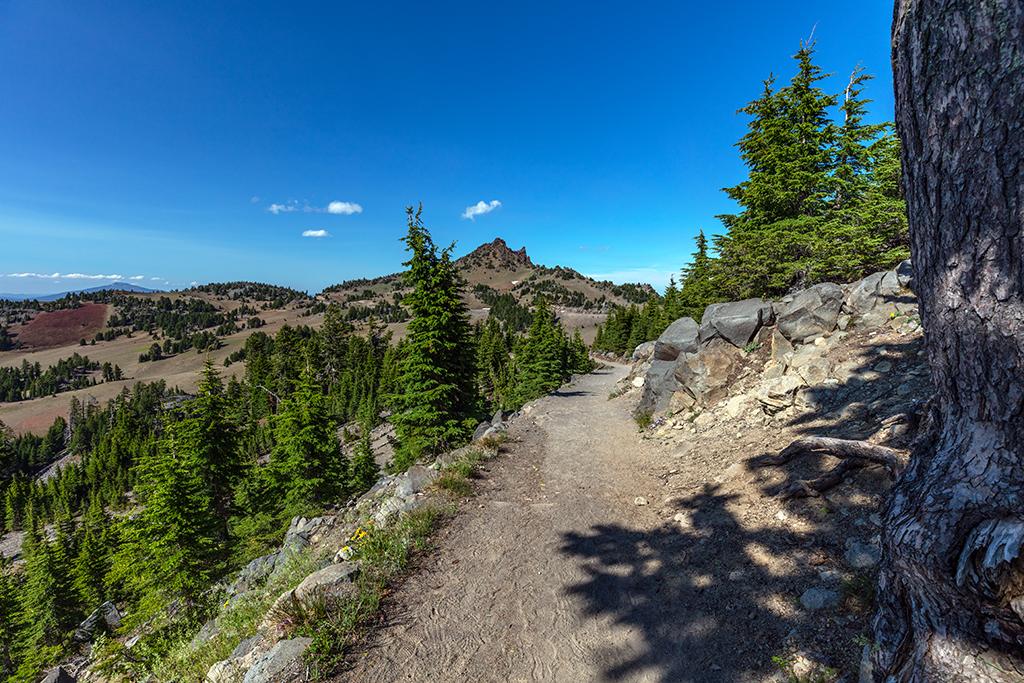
(394, 506)
(481, 429)
(643, 351)
(59, 675)
(682, 336)
(905, 274)
(303, 530)
(246, 646)
(779, 393)
(812, 312)
(331, 582)
(414, 480)
(878, 297)
(106, 616)
(736, 321)
(707, 374)
(659, 384)
(819, 598)
(281, 664)
(256, 572)
(231, 669)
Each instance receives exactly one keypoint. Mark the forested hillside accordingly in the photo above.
(158, 494)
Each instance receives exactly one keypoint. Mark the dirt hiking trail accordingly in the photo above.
(555, 573)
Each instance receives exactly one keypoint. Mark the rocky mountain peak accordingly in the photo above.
(498, 253)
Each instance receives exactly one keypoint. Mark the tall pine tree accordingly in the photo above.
(307, 461)
(436, 395)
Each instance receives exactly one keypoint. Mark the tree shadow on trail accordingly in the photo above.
(708, 599)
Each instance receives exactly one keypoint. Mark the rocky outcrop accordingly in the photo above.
(691, 365)
(643, 352)
(736, 321)
(659, 383)
(106, 616)
(880, 296)
(682, 336)
(59, 675)
(281, 664)
(812, 312)
(705, 376)
(490, 428)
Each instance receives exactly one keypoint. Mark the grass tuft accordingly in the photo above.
(383, 554)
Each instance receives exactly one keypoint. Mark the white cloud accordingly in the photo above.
(344, 208)
(315, 233)
(282, 208)
(480, 208)
(157, 279)
(85, 276)
(67, 276)
(74, 275)
(254, 199)
(335, 207)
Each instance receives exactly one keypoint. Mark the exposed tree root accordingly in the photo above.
(854, 455)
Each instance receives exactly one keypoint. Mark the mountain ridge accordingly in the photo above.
(114, 286)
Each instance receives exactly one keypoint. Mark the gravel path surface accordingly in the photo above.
(554, 572)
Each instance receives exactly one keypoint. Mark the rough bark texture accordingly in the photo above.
(951, 589)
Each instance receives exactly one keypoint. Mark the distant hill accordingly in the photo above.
(495, 269)
(115, 286)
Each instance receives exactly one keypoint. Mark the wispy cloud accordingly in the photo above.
(283, 208)
(315, 233)
(344, 208)
(480, 208)
(335, 207)
(70, 276)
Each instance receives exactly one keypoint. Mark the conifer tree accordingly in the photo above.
(672, 303)
(93, 558)
(48, 599)
(578, 357)
(854, 143)
(699, 286)
(436, 393)
(493, 363)
(179, 519)
(176, 545)
(808, 210)
(540, 357)
(10, 619)
(306, 460)
(212, 440)
(363, 470)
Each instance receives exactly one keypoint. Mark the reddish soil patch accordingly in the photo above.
(59, 328)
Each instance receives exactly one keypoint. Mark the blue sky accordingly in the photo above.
(198, 141)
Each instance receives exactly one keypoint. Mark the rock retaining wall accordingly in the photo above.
(694, 364)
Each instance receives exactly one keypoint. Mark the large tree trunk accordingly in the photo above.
(951, 590)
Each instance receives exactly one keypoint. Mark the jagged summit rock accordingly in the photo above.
(498, 254)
